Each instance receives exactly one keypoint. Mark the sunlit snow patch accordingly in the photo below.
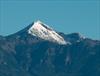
(45, 32)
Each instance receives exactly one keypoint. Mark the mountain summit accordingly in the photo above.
(43, 31)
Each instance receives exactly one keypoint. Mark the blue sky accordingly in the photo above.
(67, 16)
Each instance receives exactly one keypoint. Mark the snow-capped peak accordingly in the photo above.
(45, 32)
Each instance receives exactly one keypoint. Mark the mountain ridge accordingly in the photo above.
(22, 54)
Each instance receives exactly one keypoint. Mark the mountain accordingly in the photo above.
(38, 50)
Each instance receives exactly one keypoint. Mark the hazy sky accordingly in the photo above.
(62, 15)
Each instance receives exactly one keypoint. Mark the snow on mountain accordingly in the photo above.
(45, 32)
